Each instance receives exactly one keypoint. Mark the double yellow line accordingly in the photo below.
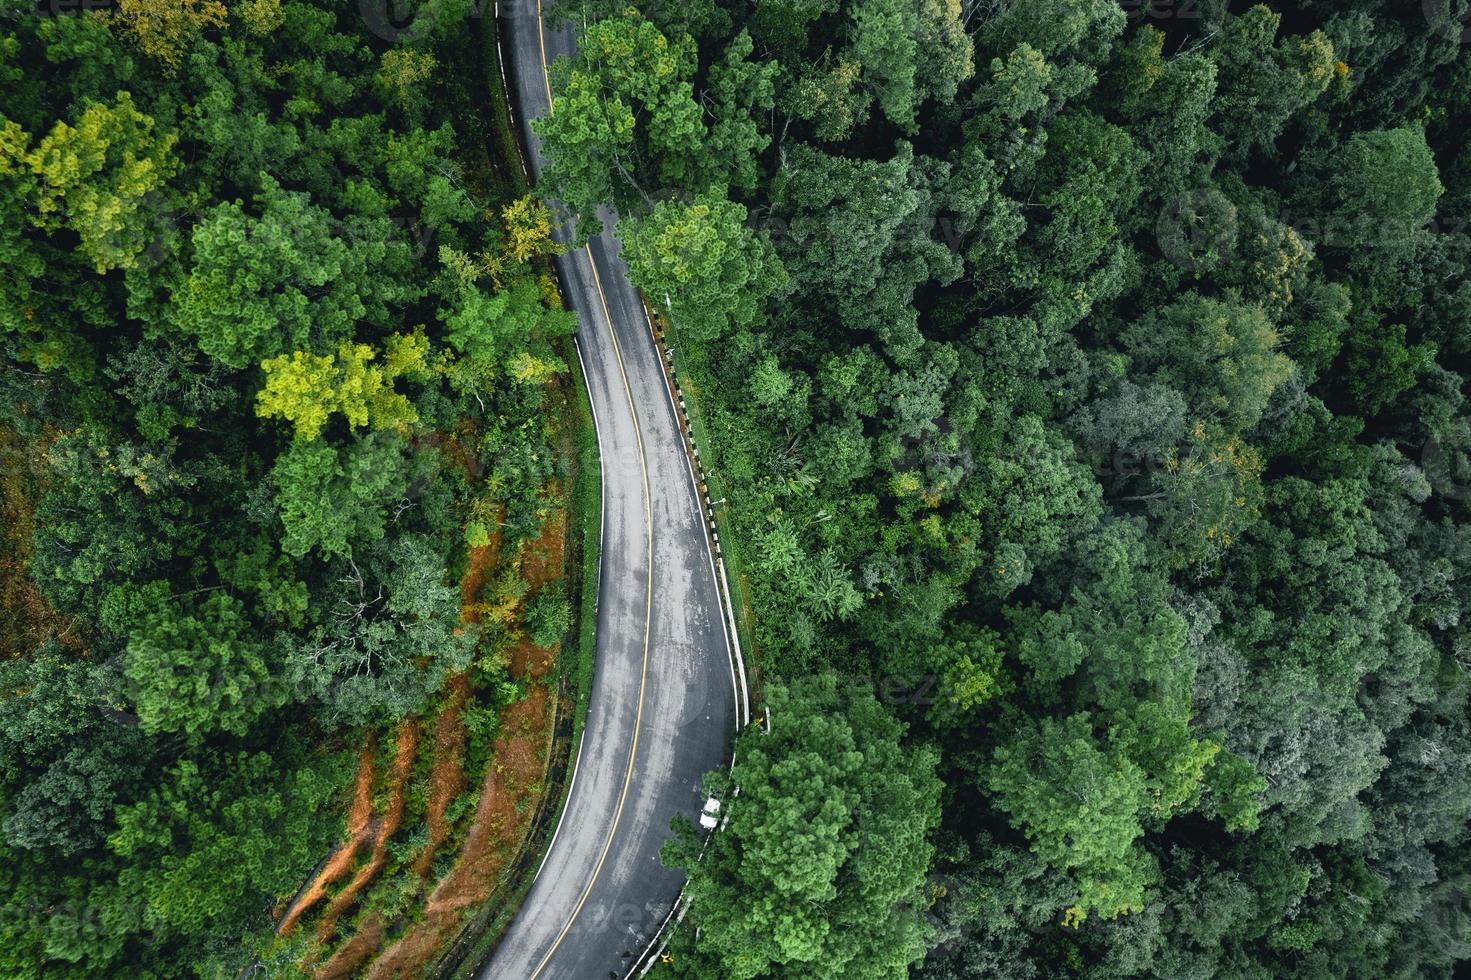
(649, 581)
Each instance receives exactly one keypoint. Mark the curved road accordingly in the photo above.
(663, 705)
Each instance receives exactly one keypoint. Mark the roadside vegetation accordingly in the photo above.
(295, 488)
(1085, 382)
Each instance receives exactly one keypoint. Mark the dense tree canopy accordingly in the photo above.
(820, 871)
(1115, 397)
(264, 335)
(1082, 382)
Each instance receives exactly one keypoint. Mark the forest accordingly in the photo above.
(1083, 384)
(287, 468)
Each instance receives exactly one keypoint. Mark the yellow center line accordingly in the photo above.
(649, 582)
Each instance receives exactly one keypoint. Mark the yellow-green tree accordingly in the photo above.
(94, 178)
(528, 229)
(402, 72)
(306, 389)
(162, 29)
(1206, 495)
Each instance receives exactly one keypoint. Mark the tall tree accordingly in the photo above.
(820, 870)
(714, 272)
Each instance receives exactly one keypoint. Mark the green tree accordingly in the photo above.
(68, 807)
(1221, 354)
(859, 234)
(216, 837)
(286, 280)
(1386, 184)
(198, 669)
(498, 335)
(98, 178)
(393, 637)
(1381, 363)
(786, 24)
(884, 44)
(742, 90)
(548, 617)
(911, 50)
(1082, 28)
(831, 96)
(330, 497)
(1092, 173)
(624, 117)
(1264, 80)
(1080, 803)
(713, 271)
(820, 870)
(1204, 494)
(115, 516)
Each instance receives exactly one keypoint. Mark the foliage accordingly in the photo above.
(254, 412)
(199, 670)
(164, 29)
(715, 273)
(548, 617)
(96, 178)
(306, 389)
(1110, 402)
(820, 869)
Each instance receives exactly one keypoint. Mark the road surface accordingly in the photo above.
(663, 709)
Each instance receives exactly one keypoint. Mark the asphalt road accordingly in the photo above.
(663, 708)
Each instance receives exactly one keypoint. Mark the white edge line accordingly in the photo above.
(597, 597)
(562, 817)
(660, 941)
(722, 588)
(740, 694)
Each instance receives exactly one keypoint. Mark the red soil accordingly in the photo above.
(350, 957)
(385, 827)
(448, 776)
(358, 831)
(503, 818)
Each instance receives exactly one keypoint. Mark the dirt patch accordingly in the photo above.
(448, 776)
(480, 566)
(359, 822)
(353, 953)
(502, 820)
(543, 560)
(512, 779)
(511, 788)
(25, 617)
(543, 557)
(460, 447)
(531, 661)
(382, 828)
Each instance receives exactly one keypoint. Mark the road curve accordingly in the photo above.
(663, 710)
